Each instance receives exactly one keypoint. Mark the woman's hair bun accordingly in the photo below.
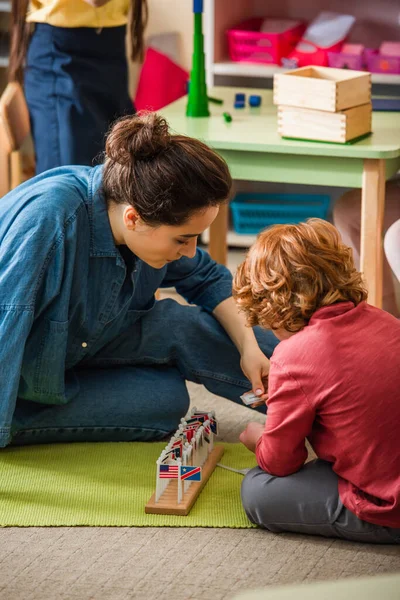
(139, 137)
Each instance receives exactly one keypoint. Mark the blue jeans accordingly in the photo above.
(76, 85)
(134, 388)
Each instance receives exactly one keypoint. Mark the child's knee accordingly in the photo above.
(259, 498)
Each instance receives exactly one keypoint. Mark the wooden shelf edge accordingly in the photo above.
(243, 69)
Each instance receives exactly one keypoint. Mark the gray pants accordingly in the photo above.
(307, 502)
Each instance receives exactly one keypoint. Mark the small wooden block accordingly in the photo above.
(167, 504)
(322, 88)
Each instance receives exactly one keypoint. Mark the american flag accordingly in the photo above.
(169, 472)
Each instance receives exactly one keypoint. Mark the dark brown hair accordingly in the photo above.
(293, 270)
(20, 33)
(165, 177)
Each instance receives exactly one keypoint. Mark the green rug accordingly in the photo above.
(108, 484)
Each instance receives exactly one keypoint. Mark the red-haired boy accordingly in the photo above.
(334, 380)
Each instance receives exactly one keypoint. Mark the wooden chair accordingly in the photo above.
(16, 163)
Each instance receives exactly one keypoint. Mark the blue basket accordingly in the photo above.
(253, 212)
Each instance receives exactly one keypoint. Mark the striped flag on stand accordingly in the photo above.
(191, 473)
(169, 472)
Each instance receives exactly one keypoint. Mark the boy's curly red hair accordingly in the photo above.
(293, 270)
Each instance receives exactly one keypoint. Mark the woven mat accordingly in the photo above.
(108, 484)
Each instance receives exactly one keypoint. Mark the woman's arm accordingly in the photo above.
(202, 281)
(254, 363)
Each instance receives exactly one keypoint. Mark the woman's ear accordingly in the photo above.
(130, 217)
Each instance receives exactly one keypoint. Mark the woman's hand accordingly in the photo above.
(255, 365)
(250, 436)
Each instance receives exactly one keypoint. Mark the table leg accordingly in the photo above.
(218, 233)
(372, 209)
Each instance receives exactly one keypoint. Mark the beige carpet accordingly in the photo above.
(82, 563)
(175, 564)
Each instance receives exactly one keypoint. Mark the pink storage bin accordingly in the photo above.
(247, 43)
(378, 63)
(341, 60)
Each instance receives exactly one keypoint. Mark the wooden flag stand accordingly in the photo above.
(168, 505)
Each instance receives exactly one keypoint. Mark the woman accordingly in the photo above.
(76, 76)
(86, 351)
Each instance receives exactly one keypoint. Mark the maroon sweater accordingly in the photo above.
(337, 383)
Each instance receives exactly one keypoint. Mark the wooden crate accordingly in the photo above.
(318, 125)
(322, 88)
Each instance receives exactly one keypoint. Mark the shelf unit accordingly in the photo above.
(375, 22)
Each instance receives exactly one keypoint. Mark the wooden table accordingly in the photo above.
(253, 150)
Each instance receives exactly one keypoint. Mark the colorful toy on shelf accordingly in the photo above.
(215, 100)
(351, 56)
(197, 105)
(326, 33)
(185, 465)
(254, 100)
(239, 101)
(386, 59)
(227, 117)
(265, 41)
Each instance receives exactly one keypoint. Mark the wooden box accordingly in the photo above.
(322, 88)
(323, 126)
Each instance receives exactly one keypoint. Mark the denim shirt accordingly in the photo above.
(65, 290)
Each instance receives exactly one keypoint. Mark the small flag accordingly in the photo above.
(177, 452)
(191, 473)
(168, 455)
(169, 471)
(189, 434)
(177, 447)
(196, 420)
(194, 425)
(214, 426)
(200, 415)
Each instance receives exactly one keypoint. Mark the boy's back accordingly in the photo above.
(343, 371)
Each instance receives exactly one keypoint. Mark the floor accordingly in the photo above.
(180, 564)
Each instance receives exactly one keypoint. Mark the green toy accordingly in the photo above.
(197, 105)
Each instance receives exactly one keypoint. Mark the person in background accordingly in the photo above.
(71, 56)
(392, 247)
(347, 219)
(86, 351)
(334, 380)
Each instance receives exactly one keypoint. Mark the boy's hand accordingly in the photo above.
(250, 436)
(255, 365)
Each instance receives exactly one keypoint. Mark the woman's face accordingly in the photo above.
(160, 245)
